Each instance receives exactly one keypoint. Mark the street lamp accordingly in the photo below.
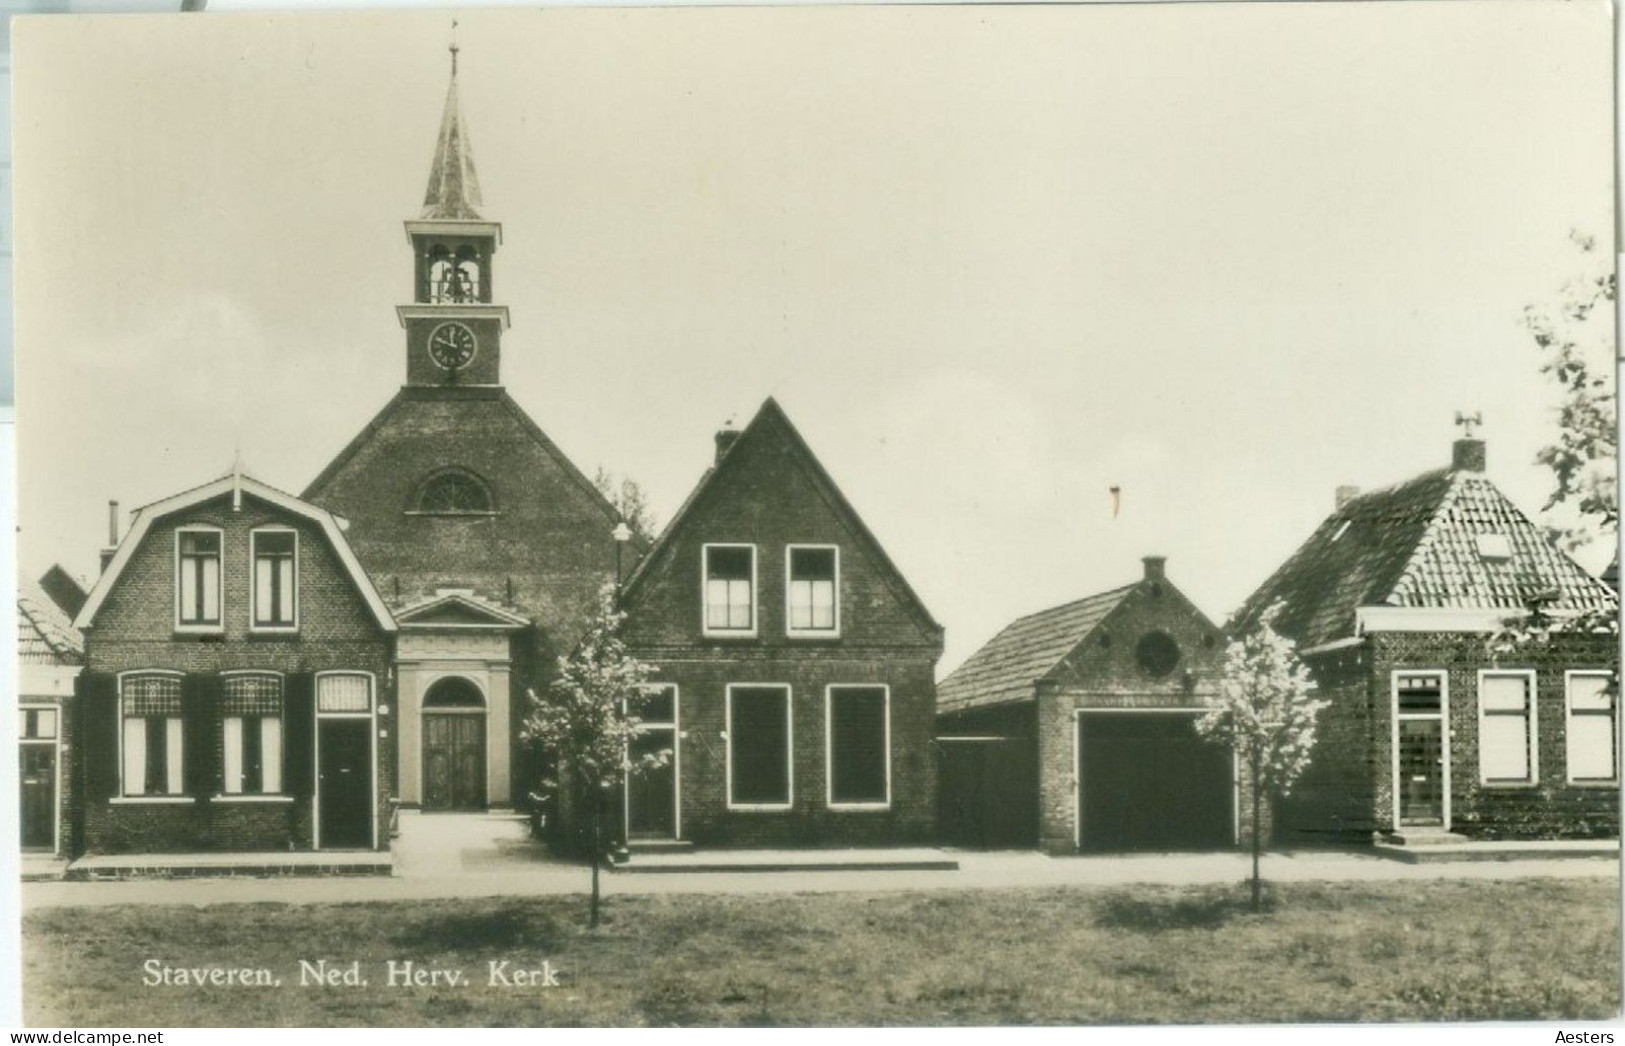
(622, 534)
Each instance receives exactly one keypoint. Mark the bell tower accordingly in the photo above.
(453, 330)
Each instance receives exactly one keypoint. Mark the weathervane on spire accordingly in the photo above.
(454, 47)
(1468, 421)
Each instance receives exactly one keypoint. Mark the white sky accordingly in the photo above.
(992, 261)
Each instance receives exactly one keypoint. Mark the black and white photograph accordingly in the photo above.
(802, 516)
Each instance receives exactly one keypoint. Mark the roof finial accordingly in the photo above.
(454, 48)
(1468, 421)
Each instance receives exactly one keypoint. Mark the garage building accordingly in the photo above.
(1074, 729)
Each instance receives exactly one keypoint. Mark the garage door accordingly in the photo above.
(1147, 782)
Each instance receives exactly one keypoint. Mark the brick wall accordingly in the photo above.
(1549, 808)
(706, 819)
(134, 630)
(1335, 799)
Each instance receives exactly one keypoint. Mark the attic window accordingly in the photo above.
(1157, 653)
(453, 492)
(1494, 548)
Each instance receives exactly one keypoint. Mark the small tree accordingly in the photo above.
(1265, 714)
(1575, 339)
(1576, 344)
(587, 720)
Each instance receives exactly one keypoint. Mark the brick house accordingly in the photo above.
(50, 656)
(795, 664)
(236, 689)
(489, 545)
(1394, 602)
(1073, 728)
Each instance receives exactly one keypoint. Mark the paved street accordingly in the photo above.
(977, 871)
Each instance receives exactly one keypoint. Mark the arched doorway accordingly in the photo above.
(454, 745)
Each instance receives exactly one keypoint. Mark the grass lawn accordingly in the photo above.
(1532, 949)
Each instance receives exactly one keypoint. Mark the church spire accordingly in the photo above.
(454, 189)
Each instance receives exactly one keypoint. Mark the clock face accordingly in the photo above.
(451, 346)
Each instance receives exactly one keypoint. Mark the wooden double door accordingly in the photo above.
(453, 761)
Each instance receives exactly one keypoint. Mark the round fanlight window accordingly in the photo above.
(1157, 653)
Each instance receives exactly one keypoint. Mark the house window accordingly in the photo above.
(153, 734)
(730, 589)
(454, 492)
(275, 578)
(1506, 727)
(251, 718)
(858, 752)
(811, 587)
(197, 570)
(36, 724)
(1593, 727)
(340, 693)
(759, 772)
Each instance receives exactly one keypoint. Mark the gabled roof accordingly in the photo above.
(458, 608)
(454, 188)
(45, 636)
(1029, 648)
(771, 420)
(409, 394)
(1418, 544)
(236, 485)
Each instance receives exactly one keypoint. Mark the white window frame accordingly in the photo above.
(317, 715)
(829, 745)
(789, 746)
(1568, 724)
(675, 725)
(282, 795)
(254, 574)
(1443, 716)
(812, 633)
(168, 798)
(705, 583)
(193, 627)
(1531, 739)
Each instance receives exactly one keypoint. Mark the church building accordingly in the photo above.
(487, 542)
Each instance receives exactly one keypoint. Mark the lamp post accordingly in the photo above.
(622, 534)
(620, 853)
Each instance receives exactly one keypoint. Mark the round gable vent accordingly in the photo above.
(1157, 653)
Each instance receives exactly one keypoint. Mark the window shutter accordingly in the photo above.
(200, 703)
(298, 734)
(97, 698)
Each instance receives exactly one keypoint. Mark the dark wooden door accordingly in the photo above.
(453, 761)
(346, 784)
(651, 802)
(1149, 782)
(38, 792)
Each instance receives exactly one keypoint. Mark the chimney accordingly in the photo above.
(1346, 493)
(112, 534)
(1467, 455)
(1156, 567)
(726, 437)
